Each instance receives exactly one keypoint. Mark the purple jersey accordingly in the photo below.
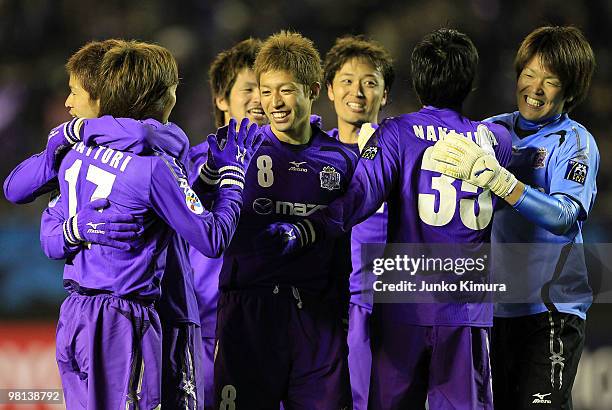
(395, 166)
(153, 188)
(178, 302)
(30, 179)
(286, 183)
(206, 270)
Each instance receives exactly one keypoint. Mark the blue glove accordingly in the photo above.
(60, 139)
(103, 228)
(233, 158)
(286, 238)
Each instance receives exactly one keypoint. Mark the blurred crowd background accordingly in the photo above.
(38, 36)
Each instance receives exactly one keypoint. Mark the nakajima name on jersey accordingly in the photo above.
(266, 206)
(434, 133)
(114, 159)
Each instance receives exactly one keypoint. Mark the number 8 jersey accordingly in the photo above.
(287, 183)
(424, 206)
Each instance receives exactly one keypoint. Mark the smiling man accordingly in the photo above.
(234, 86)
(359, 74)
(279, 329)
(554, 66)
(235, 94)
(536, 346)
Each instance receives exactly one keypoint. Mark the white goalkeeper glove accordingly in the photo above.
(460, 157)
(365, 132)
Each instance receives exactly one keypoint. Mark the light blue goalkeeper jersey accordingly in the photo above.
(559, 157)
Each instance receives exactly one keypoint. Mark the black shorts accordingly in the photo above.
(280, 345)
(534, 360)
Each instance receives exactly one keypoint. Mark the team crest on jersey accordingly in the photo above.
(330, 178)
(369, 152)
(576, 171)
(192, 201)
(539, 160)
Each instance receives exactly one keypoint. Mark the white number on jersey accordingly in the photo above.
(448, 201)
(228, 398)
(103, 180)
(265, 176)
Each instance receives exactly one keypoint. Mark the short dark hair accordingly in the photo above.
(136, 79)
(292, 52)
(349, 47)
(226, 67)
(85, 65)
(564, 51)
(444, 66)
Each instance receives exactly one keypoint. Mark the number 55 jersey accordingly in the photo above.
(423, 205)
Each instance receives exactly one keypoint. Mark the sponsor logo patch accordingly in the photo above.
(540, 398)
(369, 153)
(330, 178)
(263, 206)
(297, 166)
(192, 201)
(539, 160)
(266, 206)
(576, 171)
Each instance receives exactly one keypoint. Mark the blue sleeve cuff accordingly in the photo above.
(556, 213)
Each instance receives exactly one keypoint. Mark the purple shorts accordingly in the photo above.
(280, 346)
(182, 375)
(360, 355)
(446, 365)
(108, 351)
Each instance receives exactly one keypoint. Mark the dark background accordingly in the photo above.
(37, 37)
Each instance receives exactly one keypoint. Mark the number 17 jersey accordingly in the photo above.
(153, 189)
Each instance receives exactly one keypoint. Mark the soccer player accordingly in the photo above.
(112, 292)
(413, 343)
(234, 86)
(359, 73)
(536, 347)
(235, 95)
(37, 175)
(177, 307)
(279, 330)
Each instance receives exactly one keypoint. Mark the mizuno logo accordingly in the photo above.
(240, 155)
(289, 236)
(540, 398)
(93, 225)
(297, 166)
(478, 173)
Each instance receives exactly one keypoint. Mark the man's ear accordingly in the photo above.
(330, 92)
(222, 104)
(383, 101)
(315, 90)
(97, 105)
